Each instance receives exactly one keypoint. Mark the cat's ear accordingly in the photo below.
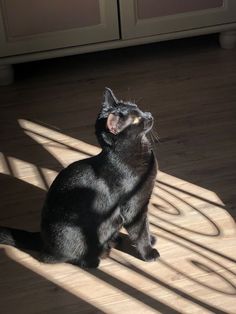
(113, 123)
(109, 99)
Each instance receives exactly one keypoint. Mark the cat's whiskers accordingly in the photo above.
(137, 101)
(153, 143)
(155, 135)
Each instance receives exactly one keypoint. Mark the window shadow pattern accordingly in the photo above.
(43, 297)
(69, 302)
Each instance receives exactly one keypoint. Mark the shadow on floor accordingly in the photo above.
(25, 292)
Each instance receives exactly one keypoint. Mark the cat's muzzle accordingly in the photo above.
(148, 121)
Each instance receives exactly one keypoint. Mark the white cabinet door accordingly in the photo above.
(32, 25)
(141, 18)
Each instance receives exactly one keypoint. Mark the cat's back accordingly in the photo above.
(76, 174)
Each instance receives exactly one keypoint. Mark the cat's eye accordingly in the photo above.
(136, 120)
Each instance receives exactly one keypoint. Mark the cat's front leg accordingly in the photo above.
(109, 232)
(139, 233)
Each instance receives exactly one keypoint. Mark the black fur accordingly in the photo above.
(91, 199)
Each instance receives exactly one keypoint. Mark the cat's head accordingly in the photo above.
(120, 120)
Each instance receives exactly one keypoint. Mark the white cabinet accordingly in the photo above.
(28, 26)
(32, 30)
(141, 18)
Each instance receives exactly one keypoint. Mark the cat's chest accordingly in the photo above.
(115, 184)
(131, 181)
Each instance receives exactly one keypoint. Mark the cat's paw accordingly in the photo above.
(151, 255)
(116, 241)
(88, 263)
(153, 239)
(105, 253)
(93, 263)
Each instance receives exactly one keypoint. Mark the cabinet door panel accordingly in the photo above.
(152, 8)
(31, 25)
(141, 18)
(27, 17)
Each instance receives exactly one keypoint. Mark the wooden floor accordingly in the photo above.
(47, 121)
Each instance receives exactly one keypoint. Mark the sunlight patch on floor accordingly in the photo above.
(194, 233)
(46, 136)
(187, 189)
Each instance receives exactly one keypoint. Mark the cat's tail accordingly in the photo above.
(21, 239)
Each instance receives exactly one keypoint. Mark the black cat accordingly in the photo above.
(90, 200)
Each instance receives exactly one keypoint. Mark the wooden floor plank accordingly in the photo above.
(47, 121)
